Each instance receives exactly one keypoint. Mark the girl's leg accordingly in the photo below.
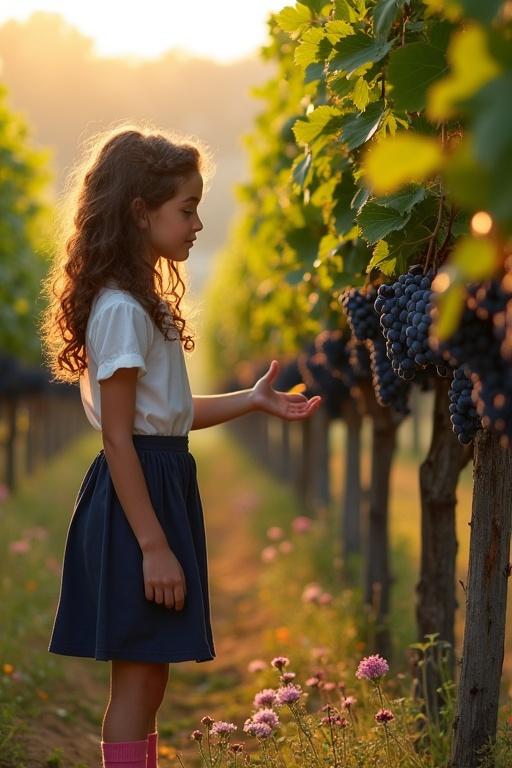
(136, 691)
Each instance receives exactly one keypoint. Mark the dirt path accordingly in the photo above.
(229, 500)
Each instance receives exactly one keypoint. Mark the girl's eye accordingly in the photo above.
(189, 212)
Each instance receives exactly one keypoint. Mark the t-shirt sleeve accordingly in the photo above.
(120, 337)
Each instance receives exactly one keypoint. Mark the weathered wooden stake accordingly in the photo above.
(439, 474)
(486, 599)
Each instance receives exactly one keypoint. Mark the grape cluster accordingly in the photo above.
(480, 344)
(389, 389)
(364, 323)
(405, 318)
(358, 306)
(463, 415)
(326, 370)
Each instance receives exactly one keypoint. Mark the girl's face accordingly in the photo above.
(172, 227)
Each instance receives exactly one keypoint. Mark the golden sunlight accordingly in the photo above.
(224, 30)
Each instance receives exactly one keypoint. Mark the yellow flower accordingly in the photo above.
(8, 669)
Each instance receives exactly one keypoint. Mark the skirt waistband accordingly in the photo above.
(160, 442)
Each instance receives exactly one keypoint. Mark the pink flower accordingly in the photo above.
(312, 682)
(287, 677)
(372, 667)
(265, 698)
(196, 735)
(311, 592)
(349, 701)
(301, 524)
(222, 728)
(267, 716)
(246, 501)
(208, 721)
(285, 547)
(260, 730)
(20, 547)
(329, 686)
(37, 532)
(320, 652)
(288, 694)
(256, 665)
(275, 532)
(268, 554)
(325, 598)
(384, 716)
(278, 662)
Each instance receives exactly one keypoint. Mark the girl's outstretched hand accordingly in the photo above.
(287, 405)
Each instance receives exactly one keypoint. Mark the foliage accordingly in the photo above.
(24, 232)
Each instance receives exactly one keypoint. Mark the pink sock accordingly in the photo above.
(152, 750)
(124, 754)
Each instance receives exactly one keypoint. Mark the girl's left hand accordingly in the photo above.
(287, 405)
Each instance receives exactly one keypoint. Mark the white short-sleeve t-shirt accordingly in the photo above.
(120, 333)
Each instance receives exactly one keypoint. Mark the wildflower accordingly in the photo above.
(275, 532)
(268, 554)
(236, 747)
(287, 677)
(288, 694)
(196, 735)
(335, 719)
(285, 547)
(256, 665)
(208, 721)
(267, 716)
(372, 667)
(349, 702)
(311, 592)
(384, 716)
(325, 598)
(301, 524)
(320, 652)
(312, 682)
(278, 662)
(260, 730)
(222, 728)
(21, 546)
(329, 686)
(265, 698)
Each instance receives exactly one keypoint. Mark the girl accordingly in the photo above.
(134, 586)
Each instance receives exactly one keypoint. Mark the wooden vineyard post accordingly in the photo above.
(377, 582)
(351, 513)
(486, 598)
(439, 474)
(320, 491)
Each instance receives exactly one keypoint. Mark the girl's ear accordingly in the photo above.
(138, 209)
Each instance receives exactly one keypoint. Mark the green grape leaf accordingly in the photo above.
(376, 221)
(404, 200)
(358, 129)
(411, 70)
(356, 50)
(384, 15)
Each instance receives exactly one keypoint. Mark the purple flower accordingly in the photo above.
(196, 735)
(265, 698)
(278, 662)
(288, 694)
(384, 716)
(222, 728)
(372, 667)
(208, 721)
(260, 730)
(267, 716)
(287, 677)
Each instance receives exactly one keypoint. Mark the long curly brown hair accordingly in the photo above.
(98, 239)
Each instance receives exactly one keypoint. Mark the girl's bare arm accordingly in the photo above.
(215, 409)
(117, 418)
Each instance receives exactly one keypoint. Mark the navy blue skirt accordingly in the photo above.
(103, 611)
